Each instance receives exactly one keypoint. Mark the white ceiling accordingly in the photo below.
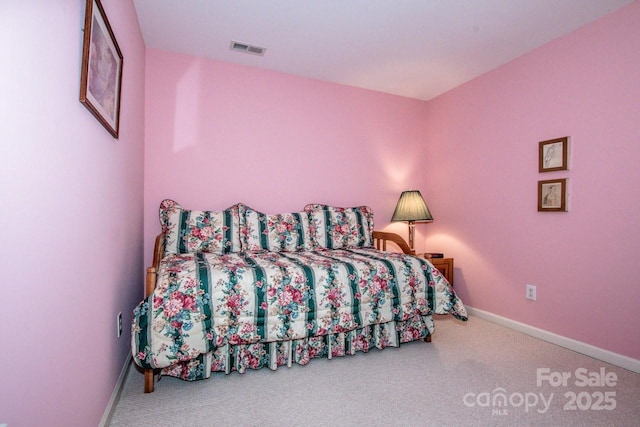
(413, 48)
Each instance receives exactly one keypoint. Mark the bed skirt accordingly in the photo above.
(240, 357)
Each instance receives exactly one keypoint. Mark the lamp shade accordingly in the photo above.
(411, 207)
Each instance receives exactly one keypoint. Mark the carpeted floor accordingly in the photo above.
(473, 374)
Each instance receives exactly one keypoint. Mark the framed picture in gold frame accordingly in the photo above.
(553, 154)
(552, 195)
(101, 75)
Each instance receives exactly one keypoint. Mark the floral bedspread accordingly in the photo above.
(206, 302)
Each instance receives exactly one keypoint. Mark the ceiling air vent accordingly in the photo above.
(247, 48)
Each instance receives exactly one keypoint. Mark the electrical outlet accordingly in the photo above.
(531, 292)
(119, 320)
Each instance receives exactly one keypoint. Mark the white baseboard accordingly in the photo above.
(115, 395)
(571, 344)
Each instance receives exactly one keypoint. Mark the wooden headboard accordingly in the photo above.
(158, 254)
(380, 239)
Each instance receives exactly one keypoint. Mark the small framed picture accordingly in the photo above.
(101, 75)
(553, 155)
(552, 195)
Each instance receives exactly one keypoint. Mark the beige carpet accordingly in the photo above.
(472, 374)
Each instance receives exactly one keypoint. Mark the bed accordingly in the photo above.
(238, 289)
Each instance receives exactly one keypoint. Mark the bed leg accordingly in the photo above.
(148, 380)
(428, 339)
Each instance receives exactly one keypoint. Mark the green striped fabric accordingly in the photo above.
(190, 231)
(338, 228)
(206, 302)
(287, 232)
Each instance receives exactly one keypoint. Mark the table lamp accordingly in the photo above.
(411, 208)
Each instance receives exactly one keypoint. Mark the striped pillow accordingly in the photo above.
(287, 232)
(336, 228)
(188, 231)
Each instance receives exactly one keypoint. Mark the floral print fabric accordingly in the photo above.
(241, 357)
(189, 231)
(241, 228)
(280, 232)
(336, 228)
(248, 310)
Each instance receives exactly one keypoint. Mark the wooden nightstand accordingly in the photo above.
(444, 265)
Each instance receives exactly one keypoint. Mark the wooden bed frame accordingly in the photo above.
(380, 239)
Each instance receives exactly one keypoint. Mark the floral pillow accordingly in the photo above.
(188, 231)
(336, 228)
(287, 232)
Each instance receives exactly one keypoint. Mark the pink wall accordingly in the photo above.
(482, 147)
(219, 133)
(71, 229)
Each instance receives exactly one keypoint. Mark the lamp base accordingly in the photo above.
(412, 233)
